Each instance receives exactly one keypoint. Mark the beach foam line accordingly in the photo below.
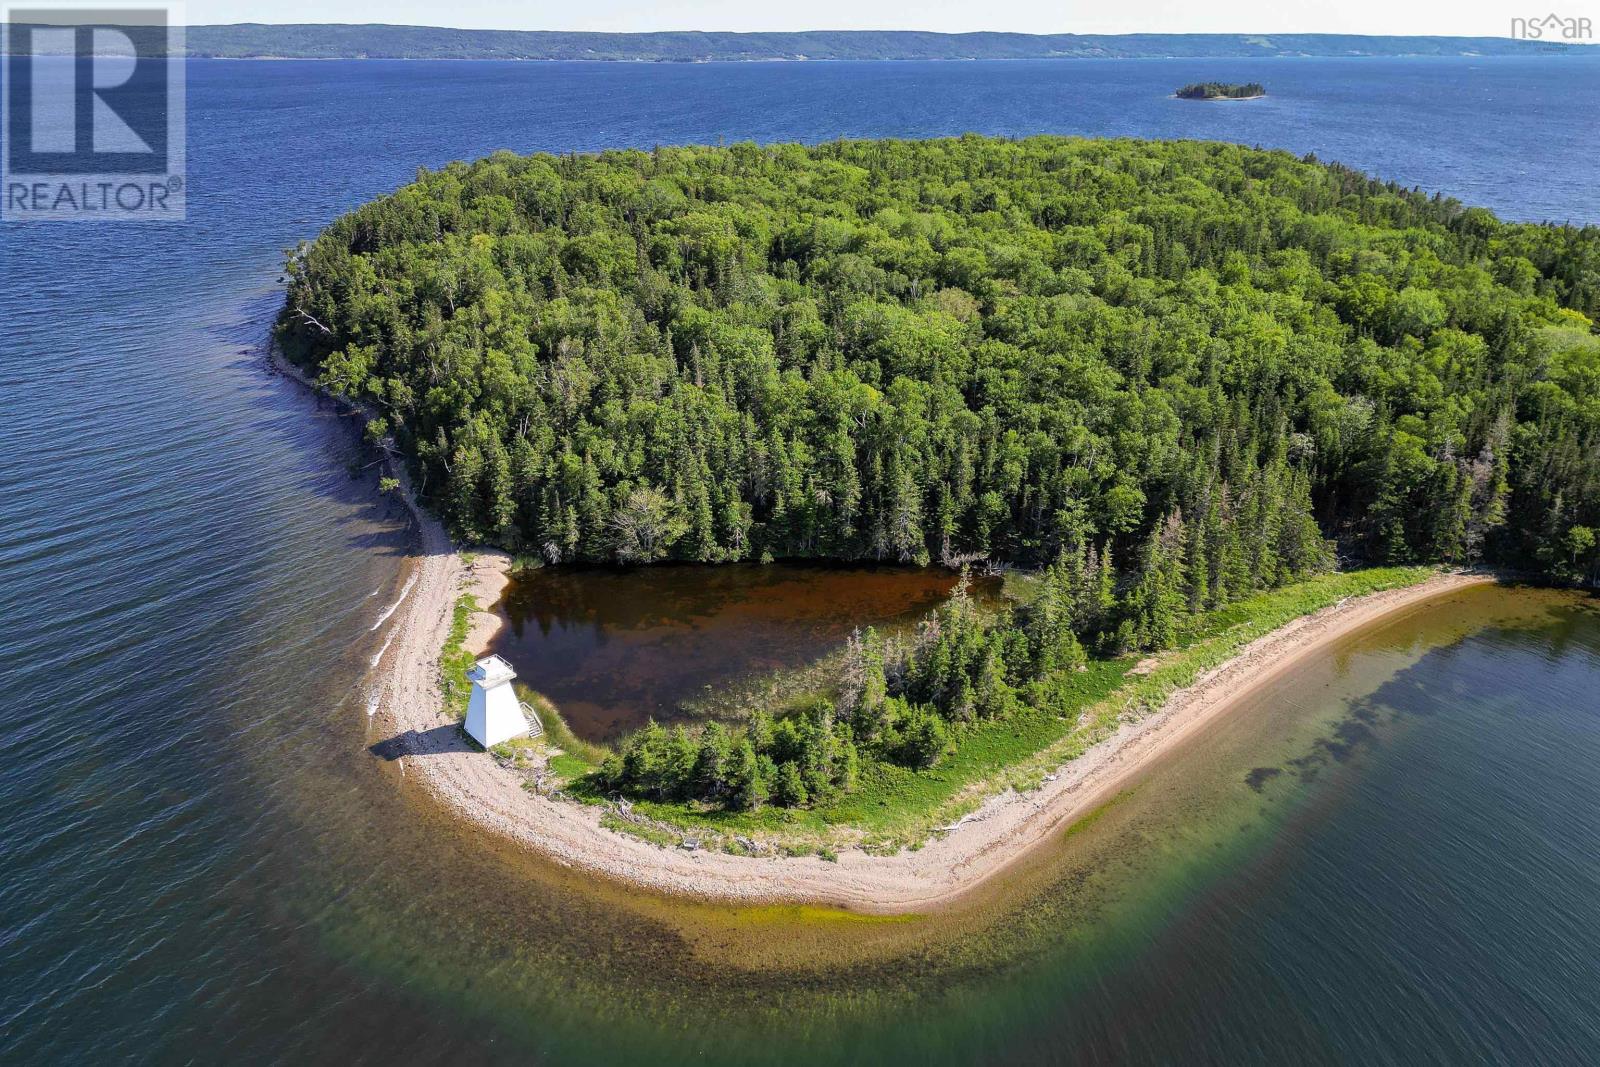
(401, 599)
(387, 641)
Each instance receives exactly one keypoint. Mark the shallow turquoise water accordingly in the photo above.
(1418, 883)
(201, 861)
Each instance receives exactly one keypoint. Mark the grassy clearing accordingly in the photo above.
(571, 757)
(455, 661)
(519, 752)
(566, 767)
(559, 735)
(894, 807)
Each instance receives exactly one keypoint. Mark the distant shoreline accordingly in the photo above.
(648, 62)
(806, 59)
(291, 41)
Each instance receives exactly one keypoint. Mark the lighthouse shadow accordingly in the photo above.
(445, 738)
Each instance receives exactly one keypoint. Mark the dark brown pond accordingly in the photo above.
(613, 648)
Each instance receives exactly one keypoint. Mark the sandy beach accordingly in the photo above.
(407, 713)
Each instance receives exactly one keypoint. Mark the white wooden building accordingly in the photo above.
(494, 713)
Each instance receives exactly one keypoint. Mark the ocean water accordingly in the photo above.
(201, 860)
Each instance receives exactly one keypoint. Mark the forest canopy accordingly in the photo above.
(953, 349)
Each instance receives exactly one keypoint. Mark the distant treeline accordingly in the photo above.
(1221, 91)
(316, 41)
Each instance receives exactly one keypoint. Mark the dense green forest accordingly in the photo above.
(964, 348)
(1221, 91)
(1173, 373)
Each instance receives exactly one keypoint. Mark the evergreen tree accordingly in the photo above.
(789, 790)
(713, 765)
(1156, 603)
(747, 785)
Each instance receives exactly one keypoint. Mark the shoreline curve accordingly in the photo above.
(404, 702)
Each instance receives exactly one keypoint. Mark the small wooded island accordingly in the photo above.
(1221, 91)
(1165, 384)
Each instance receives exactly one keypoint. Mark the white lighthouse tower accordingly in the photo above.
(495, 714)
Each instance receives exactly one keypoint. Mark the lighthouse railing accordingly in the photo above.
(535, 724)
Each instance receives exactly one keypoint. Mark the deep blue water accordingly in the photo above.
(189, 569)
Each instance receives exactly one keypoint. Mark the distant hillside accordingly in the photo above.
(252, 40)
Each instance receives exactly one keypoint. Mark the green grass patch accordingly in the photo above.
(557, 733)
(566, 766)
(455, 661)
(519, 750)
